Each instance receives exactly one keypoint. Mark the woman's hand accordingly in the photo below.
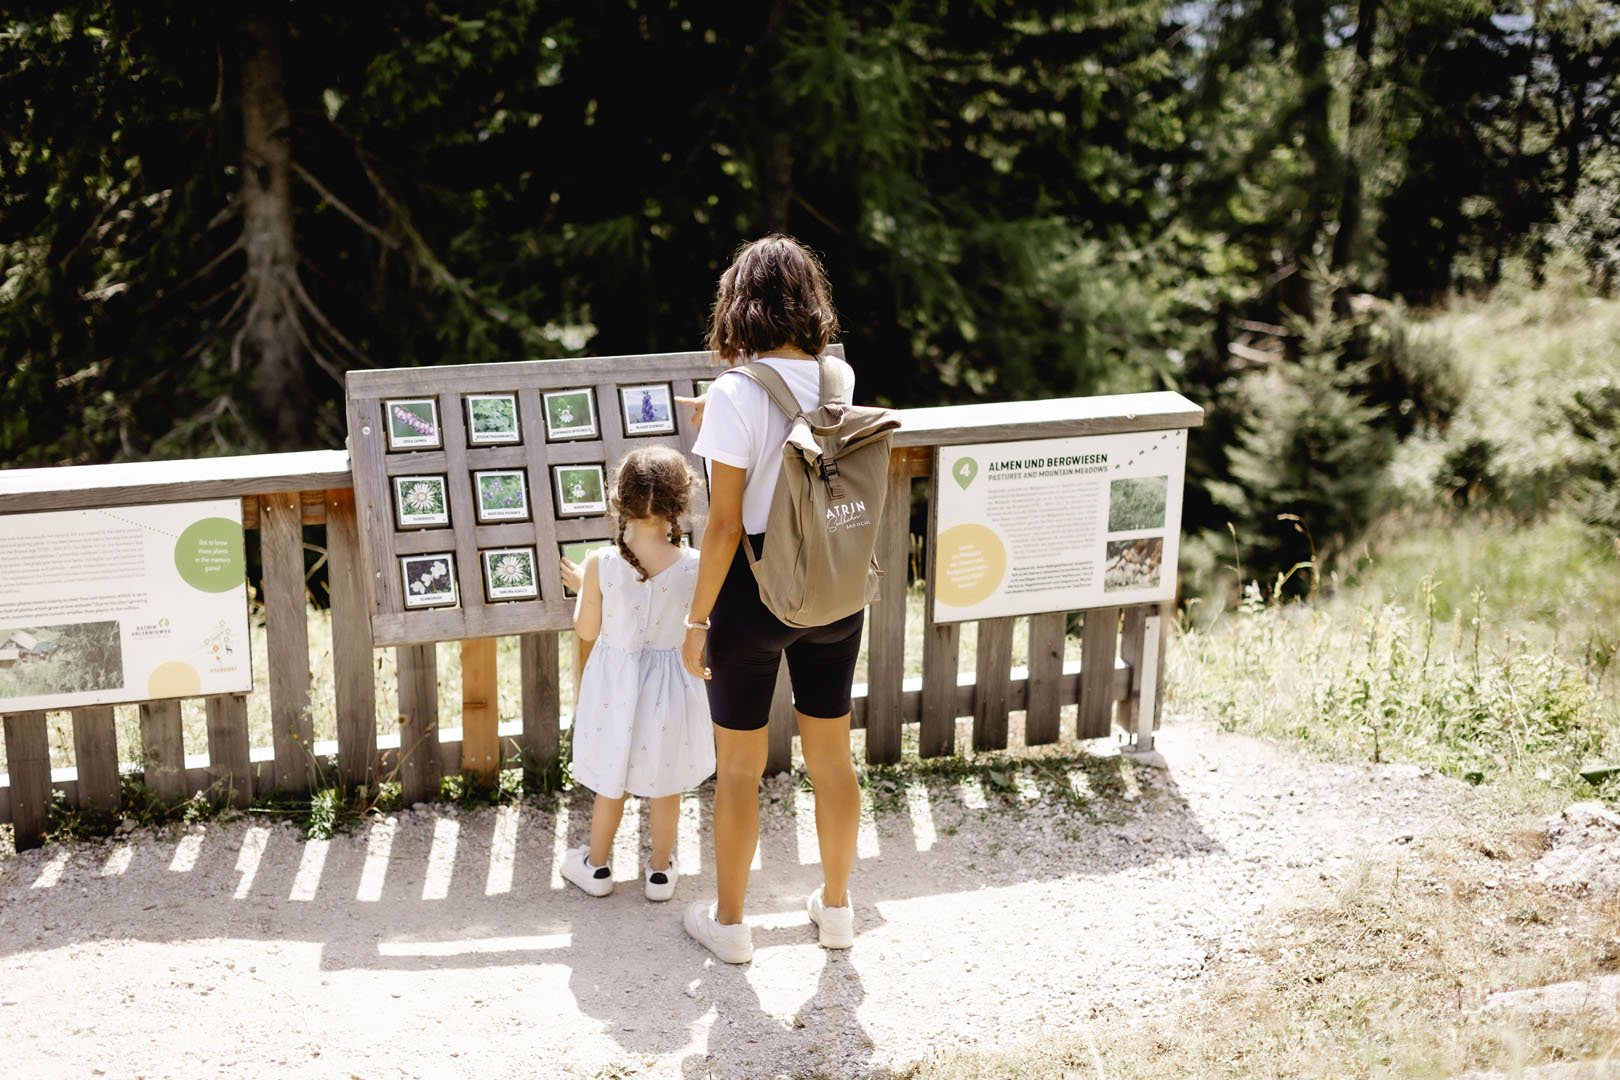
(692, 652)
(696, 405)
(570, 574)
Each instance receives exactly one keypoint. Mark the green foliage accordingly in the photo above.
(1593, 413)
(1308, 458)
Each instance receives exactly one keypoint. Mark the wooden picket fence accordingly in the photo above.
(1116, 683)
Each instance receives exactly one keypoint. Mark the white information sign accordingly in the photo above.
(1057, 524)
(127, 604)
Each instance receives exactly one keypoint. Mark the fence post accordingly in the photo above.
(281, 548)
(228, 766)
(352, 674)
(540, 678)
(418, 673)
(886, 628)
(28, 760)
(480, 709)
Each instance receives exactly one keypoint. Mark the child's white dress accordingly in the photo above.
(642, 722)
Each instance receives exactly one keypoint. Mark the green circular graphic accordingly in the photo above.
(209, 555)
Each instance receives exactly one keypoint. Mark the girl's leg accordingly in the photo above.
(739, 764)
(663, 814)
(605, 815)
(825, 744)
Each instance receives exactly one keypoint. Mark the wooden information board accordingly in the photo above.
(470, 481)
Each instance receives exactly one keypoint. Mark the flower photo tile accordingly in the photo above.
(492, 419)
(648, 410)
(412, 423)
(501, 495)
(570, 414)
(576, 552)
(509, 574)
(581, 490)
(421, 501)
(430, 580)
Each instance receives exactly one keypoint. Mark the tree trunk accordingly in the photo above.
(269, 344)
(1344, 241)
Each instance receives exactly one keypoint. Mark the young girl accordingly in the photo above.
(641, 724)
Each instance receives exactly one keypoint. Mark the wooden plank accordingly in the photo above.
(95, 757)
(1043, 706)
(1098, 639)
(779, 752)
(542, 502)
(1151, 668)
(281, 546)
(418, 669)
(163, 753)
(1132, 626)
(1166, 612)
(540, 678)
(886, 623)
(993, 666)
(230, 774)
(480, 378)
(28, 761)
(354, 687)
(372, 502)
(1051, 418)
(141, 482)
(480, 709)
(936, 729)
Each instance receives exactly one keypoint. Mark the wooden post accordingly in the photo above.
(163, 754)
(229, 770)
(480, 709)
(95, 757)
(992, 684)
(1098, 641)
(418, 667)
(779, 752)
(1149, 703)
(281, 547)
(539, 677)
(886, 625)
(942, 651)
(1042, 704)
(28, 760)
(353, 679)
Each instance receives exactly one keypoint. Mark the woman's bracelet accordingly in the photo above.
(700, 625)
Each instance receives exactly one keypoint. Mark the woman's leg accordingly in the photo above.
(663, 815)
(605, 815)
(739, 764)
(825, 744)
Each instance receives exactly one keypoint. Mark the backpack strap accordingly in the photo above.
(770, 380)
(776, 388)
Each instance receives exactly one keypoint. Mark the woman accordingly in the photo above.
(773, 306)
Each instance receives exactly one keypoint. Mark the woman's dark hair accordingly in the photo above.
(653, 482)
(774, 293)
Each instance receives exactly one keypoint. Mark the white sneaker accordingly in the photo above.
(837, 924)
(657, 889)
(576, 868)
(733, 944)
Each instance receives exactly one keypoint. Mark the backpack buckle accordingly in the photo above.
(829, 473)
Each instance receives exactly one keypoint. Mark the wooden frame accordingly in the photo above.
(538, 454)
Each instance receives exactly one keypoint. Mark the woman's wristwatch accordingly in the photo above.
(691, 625)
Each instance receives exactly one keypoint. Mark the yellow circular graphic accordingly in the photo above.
(970, 565)
(174, 679)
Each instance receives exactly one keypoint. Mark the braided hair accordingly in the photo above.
(652, 482)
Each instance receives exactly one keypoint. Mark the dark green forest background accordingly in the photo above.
(208, 213)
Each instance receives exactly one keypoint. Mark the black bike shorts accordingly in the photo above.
(746, 643)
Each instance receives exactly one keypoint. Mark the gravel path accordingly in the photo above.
(435, 942)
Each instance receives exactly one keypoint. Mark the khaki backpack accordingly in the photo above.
(819, 562)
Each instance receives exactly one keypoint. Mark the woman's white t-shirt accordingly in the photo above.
(744, 429)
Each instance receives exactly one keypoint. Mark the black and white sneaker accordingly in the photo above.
(660, 884)
(577, 868)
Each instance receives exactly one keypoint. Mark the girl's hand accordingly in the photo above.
(692, 652)
(570, 574)
(696, 405)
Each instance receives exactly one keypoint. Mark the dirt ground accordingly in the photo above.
(435, 942)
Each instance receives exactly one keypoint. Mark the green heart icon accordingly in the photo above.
(964, 471)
